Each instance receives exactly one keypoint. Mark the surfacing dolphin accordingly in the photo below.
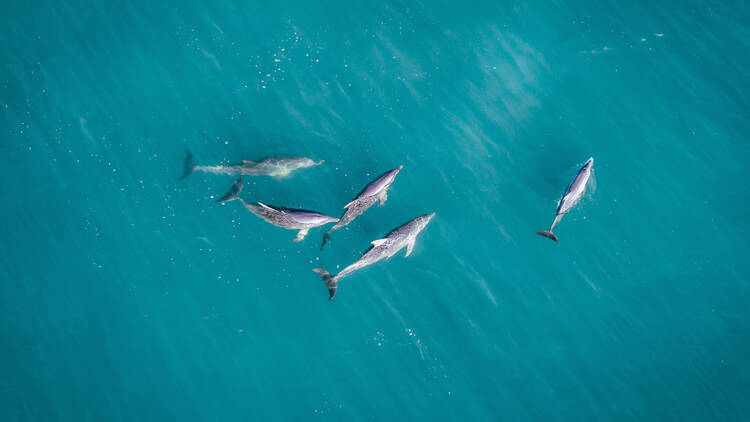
(573, 193)
(401, 237)
(278, 167)
(375, 191)
(288, 218)
(233, 192)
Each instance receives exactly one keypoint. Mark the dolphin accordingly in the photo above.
(401, 237)
(233, 192)
(377, 190)
(573, 193)
(278, 167)
(288, 218)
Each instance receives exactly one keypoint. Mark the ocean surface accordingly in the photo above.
(129, 295)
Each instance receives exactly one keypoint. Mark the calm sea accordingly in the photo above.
(129, 295)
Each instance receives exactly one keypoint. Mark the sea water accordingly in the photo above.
(129, 295)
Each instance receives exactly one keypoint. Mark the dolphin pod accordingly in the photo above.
(573, 193)
(403, 236)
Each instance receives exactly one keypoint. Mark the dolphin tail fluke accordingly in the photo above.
(226, 198)
(233, 192)
(548, 234)
(331, 283)
(327, 234)
(189, 165)
(326, 238)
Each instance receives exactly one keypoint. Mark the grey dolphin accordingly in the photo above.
(289, 218)
(233, 192)
(401, 237)
(377, 190)
(573, 193)
(278, 167)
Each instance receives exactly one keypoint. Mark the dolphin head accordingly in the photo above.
(382, 182)
(392, 174)
(298, 162)
(589, 162)
(305, 162)
(388, 176)
(423, 221)
(311, 217)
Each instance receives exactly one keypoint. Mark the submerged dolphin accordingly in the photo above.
(401, 237)
(288, 218)
(573, 193)
(233, 192)
(279, 167)
(377, 190)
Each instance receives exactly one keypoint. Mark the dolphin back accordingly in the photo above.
(377, 185)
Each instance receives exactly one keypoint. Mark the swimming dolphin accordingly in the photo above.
(573, 193)
(233, 192)
(401, 237)
(288, 218)
(278, 167)
(377, 190)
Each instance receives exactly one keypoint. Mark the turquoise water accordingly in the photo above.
(127, 295)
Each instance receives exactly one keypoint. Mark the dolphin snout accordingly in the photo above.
(426, 219)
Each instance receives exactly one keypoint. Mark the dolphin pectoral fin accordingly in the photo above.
(383, 198)
(548, 234)
(349, 204)
(280, 175)
(410, 247)
(301, 235)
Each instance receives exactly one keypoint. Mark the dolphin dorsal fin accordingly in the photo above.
(265, 206)
(378, 242)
